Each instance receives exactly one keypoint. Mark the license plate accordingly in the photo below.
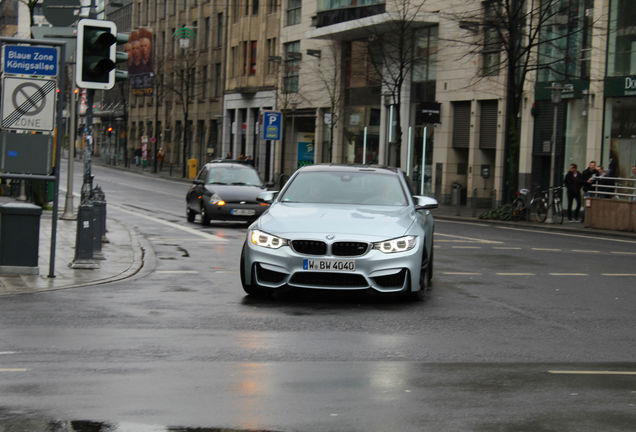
(242, 212)
(329, 265)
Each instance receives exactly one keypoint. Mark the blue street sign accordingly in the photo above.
(30, 60)
(272, 125)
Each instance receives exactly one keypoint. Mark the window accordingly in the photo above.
(425, 65)
(254, 7)
(621, 59)
(492, 39)
(195, 26)
(173, 43)
(206, 33)
(217, 79)
(235, 11)
(245, 56)
(272, 6)
(565, 43)
(204, 82)
(247, 7)
(233, 61)
(219, 30)
(292, 67)
(253, 46)
(293, 12)
(271, 53)
(174, 7)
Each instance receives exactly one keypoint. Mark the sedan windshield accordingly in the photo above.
(233, 175)
(330, 187)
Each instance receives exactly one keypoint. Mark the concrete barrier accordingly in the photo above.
(612, 214)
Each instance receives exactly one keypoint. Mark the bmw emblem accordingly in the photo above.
(330, 236)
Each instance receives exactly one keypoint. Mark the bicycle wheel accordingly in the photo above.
(540, 207)
(557, 217)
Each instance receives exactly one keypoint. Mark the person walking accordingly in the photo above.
(573, 181)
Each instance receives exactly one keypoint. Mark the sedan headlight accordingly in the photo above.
(400, 244)
(259, 238)
(216, 200)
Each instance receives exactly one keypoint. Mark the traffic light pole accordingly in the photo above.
(68, 202)
(87, 185)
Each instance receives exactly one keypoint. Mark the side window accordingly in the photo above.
(203, 174)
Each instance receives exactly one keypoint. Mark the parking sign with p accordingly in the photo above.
(272, 125)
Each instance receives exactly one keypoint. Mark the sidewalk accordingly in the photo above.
(123, 258)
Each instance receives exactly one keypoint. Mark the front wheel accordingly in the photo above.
(189, 214)
(540, 209)
(251, 288)
(205, 219)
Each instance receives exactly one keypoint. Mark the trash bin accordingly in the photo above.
(456, 196)
(19, 238)
(192, 168)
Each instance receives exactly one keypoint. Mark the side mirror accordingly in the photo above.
(197, 182)
(269, 185)
(425, 203)
(266, 197)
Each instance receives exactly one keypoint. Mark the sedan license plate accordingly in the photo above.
(329, 265)
(242, 212)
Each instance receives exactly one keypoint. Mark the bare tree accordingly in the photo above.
(31, 4)
(392, 56)
(186, 90)
(328, 70)
(511, 37)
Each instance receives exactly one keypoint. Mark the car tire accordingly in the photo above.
(205, 219)
(429, 270)
(251, 288)
(189, 214)
(421, 294)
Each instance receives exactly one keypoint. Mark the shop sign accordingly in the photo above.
(571, 90)
(620, 86)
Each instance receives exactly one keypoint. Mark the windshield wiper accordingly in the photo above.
(218, 183)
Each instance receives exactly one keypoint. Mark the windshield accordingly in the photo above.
(233, 175)
(362, 187)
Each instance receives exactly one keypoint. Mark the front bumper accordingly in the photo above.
(235, 211)
(276, 268)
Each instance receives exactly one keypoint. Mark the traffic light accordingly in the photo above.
(121, 57)
(96, 54)
(109, 130)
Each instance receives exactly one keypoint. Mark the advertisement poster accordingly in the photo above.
(305, 149)
(140, 73)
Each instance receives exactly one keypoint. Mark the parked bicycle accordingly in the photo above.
(535, 206)
(541, 205)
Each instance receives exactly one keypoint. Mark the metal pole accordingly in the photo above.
(68, 202)
(408, 153)
(423, 169)
(390, 124)
(58, 141)
(364, 147)
(556, 99)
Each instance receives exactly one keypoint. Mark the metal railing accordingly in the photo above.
(614, 187)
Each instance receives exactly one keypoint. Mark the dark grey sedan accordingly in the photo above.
(225, 191)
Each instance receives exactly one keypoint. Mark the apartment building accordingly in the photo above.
(251, 85)
(180, 110)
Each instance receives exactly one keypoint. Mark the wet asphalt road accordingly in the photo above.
(525, 331)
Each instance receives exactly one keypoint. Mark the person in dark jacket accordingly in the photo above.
(573, 181)
(589, 176)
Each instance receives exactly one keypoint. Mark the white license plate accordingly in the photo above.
(242, 212)
(329, 265)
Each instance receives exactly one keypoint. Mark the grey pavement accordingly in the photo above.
(123, 255)
(124, 252)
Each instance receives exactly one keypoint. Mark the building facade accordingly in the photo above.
(181, 111)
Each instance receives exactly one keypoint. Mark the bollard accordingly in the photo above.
(475, 202)
(99, 201)
(84, 239)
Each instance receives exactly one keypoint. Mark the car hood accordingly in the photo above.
(380, 222)
(235, 192)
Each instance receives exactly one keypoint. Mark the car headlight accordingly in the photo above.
(259, 238)
(216, 200)
(400, 244)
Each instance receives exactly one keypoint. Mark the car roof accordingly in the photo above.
(228, 162)
(350, 168)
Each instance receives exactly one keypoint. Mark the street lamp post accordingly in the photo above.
(556, 100)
